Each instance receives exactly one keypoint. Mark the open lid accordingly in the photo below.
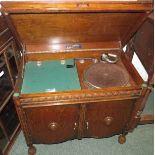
(143, 46)
(54, 25)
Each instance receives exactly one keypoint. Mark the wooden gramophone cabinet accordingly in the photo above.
(60, 40)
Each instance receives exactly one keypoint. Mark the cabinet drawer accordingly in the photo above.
(53, 124)
(107, 118)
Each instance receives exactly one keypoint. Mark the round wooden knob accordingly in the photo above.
(108, 120)
(53, 126)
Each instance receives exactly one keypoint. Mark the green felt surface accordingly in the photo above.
(49, 76)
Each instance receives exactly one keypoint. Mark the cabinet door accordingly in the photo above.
(107, 118)
(9, 118)
(53, 124)
(12, 61)
(5, 82)
(3, 140)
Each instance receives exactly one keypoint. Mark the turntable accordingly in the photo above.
(96, 73)
(102, 75)
(106, 73)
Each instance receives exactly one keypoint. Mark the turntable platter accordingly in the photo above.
(101, 75)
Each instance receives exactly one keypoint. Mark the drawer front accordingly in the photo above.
(53, 124)
(107, 118)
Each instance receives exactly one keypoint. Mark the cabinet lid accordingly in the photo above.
(143, 45)
(66, 25)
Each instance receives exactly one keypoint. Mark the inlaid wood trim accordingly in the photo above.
(83, 96)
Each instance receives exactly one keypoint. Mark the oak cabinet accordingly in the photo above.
(58, 123)
(68, 49)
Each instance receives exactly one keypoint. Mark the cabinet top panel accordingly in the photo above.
(14, 6)
(57, 1)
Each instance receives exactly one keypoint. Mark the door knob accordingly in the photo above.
(108, 120)
(53, 126)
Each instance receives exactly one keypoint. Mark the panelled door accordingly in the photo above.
(107, 118)
(53, 124)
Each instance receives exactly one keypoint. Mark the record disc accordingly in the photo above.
(102, 75)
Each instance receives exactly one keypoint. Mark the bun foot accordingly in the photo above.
(122, 139)
(31, 150)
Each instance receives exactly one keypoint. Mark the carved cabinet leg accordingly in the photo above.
(122, 139)
(31, 150)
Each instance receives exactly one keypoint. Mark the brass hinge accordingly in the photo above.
(138, 114)
(148, 86)
(16, 94)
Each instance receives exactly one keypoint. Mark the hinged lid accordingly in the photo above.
(143, 45)
(66, 25)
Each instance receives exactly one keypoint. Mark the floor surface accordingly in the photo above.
(140, 142)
